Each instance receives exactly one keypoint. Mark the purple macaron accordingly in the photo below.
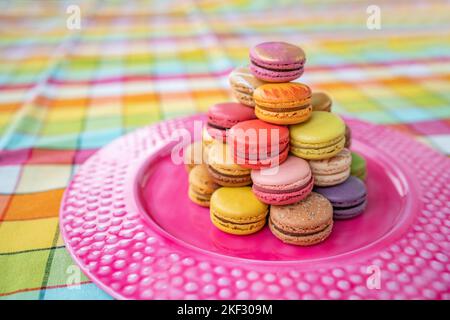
(349, 199)
(277, 61)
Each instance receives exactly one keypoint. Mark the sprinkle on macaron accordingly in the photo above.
(303, 223)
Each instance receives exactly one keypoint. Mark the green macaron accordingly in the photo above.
(358, 167)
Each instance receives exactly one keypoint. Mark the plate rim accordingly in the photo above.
(138, 165)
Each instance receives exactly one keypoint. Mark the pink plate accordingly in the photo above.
(127, 221)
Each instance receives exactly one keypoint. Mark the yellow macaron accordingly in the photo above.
(237, 211)
(321, 137)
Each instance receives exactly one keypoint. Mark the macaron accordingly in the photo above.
(303, 223)
(348, 136)
(243, 83)
(201, 185)
(291, 182)
(224, 170)
(320, 101)
(193, 155)
(256, 144)
(207, 140)
(283, 103)
(222, 116)
(237, 211)
(358, 167)
(277, 61)
(348, 198)
(321, 137)
(332, 171)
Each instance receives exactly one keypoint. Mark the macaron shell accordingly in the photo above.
(275, 95)
(221, 159)
(193, 155)
(320, 101)
(348, 213)
(302, 240)
(225, 115)
(339, 163)
(244, 98)
(327, 180)
(348, 136)
(283, 118)
(238, 205)
(285, 197)
(217, 134)
(262, 130)
(206, 138)
(237, 211)
(349, 193)
(232, 180)
(358, 166)
(198, 198)
(242, 80)
(306, 222)
(201, 180)
(266, 163)
(308, 216)
(236, 229)
(278, 55)
(275, 76)
(294, 171)
(322, 127)
(318, 153)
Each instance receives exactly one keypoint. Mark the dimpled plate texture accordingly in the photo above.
(125, 242)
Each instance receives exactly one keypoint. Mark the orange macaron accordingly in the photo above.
(283, 103)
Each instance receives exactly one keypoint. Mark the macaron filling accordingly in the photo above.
(279, 67)
(199, 196)
(349, 204)
(218, 173)
(288, 109)
(273, 190)
(299, 234)
(234, 222)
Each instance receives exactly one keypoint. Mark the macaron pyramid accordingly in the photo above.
(300, 120)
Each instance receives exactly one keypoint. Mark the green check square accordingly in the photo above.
(22, 271)
(102, 122)
(62, 127)
(63, 270)
(28, 125)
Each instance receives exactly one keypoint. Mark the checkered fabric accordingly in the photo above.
(66, 92)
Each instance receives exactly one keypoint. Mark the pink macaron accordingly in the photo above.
(256, 144)
(290, 183)
(222, 116)
(277, 61)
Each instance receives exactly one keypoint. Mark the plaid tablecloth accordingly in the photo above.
(66, 92)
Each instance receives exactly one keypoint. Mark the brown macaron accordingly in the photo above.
(348, 136)
(320, 101)
(201, 185)
(304, 223)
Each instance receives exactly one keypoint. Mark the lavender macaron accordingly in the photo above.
(277, 61)
(349, 199)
